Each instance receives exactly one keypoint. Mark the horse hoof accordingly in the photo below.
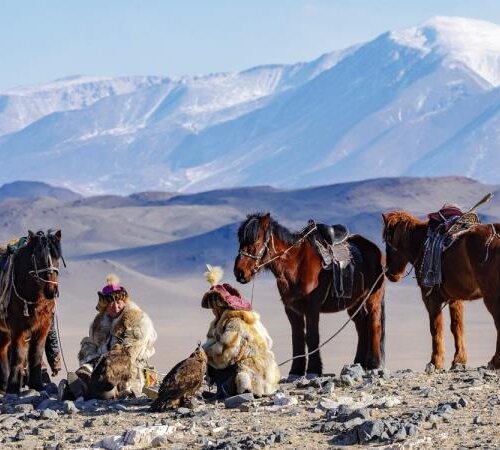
(312, 376)
(430, 368)
(458, 367)
(293, 377)
(492, 366)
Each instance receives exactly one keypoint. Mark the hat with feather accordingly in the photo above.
(112, 291)
(222, 295)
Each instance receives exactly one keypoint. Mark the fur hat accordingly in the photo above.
(222, 295)
(110, 292)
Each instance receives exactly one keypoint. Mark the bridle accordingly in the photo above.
(35, 272)
(260, 254)
(394, 249)
(265, 247)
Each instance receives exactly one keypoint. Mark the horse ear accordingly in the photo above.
(385, 218)
(31, 236)
(58, 235)
(266, 219)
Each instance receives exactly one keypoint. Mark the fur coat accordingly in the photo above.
(132, 331)
(239, 338)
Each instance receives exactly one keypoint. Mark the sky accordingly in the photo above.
(44, 40)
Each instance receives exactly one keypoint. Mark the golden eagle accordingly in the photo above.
(182, 381)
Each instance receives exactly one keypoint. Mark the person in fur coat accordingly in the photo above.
(238, 345)
(113, 356)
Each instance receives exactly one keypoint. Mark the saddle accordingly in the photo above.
(333, 234)
(444, 228)
(336, 254)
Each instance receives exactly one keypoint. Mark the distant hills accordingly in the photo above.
(424, 101)
(167, 233)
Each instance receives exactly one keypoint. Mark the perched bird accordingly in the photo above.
(182, 381)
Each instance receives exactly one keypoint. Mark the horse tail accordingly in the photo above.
(382, 325)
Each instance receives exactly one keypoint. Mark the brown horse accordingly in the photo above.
(470, 270)
(306, 288)
(33, 291)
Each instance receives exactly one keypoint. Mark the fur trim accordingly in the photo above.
(132, 331)
(239, 338)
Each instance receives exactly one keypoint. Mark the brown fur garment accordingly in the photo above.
(182, 382)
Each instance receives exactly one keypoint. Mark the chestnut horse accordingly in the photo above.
(33, 291)
(470, 270)
(306, 288)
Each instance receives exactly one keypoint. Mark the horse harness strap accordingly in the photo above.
(494, 234)
(277, 255)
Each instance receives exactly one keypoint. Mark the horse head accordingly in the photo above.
(39, 261)
(397, 226)
(253, 236)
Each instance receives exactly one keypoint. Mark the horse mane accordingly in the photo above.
(248, 230)
(398, 223)
(48, 243)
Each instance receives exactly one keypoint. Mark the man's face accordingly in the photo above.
(115, 308)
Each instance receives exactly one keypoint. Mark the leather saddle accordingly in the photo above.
(447, 214)
(333, 234)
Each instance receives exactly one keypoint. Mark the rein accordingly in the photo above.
(334, 335)
(277, 255)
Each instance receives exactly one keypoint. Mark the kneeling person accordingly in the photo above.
(113, 357)
(238, 346)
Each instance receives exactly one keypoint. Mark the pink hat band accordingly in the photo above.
(110, 288)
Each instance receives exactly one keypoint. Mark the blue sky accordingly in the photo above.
(44, 40)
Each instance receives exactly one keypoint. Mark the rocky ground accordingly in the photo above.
(404, 409)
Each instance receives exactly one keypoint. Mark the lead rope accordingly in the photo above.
(358, 309)
(59, 339)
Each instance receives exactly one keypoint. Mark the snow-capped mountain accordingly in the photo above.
(420, 101)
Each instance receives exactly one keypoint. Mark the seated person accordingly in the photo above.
(114, 355)
(238, 346)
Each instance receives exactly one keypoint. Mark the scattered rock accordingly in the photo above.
(237, 400)
(281, 399)
(355, 371)
(49, 414)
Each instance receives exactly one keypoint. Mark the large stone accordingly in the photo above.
(281, 399)
(237, 400)
(370, 430)
(355, 371)
(49, 414)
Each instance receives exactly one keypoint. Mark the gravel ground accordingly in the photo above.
(404, 409)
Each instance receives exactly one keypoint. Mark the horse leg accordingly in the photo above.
(375, 352)
(298, 342)
(4, 360)
(457, 328)
(314, 364)
(433, 304)
(361, 323)
(493, 305)
(18, 353)
(35, 356)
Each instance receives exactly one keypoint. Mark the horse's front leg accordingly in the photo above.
(18, 354)
(457, 328)
(35, 356)
(314, 364)
(433, 303)
(297, 323)
(4, 360)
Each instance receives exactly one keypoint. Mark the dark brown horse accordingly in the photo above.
(31, 306)
(306, 288)
(470, 270)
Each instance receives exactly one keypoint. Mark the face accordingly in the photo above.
(115, 308)
(46, 251)
(395, 260)
(253, 236)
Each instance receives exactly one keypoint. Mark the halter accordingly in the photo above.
(412, 264)
(269, 236)
(35, 273)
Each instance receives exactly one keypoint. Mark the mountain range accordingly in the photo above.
(423, 101)
(163, 234)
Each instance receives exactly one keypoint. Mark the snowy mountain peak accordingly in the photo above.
(474, 43)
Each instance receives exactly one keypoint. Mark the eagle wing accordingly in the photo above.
(183, 380)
